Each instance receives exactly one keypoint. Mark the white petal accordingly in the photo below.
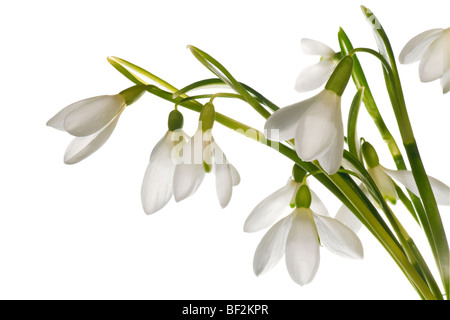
(187, 178)
(272, 246)
(432, 65)
(347, 217)
(316, 130)
(282, 124)
(445, 81)
(384, 183)
(82, 147)
(332, 160)
(235, 177)
(441, 191)
(224, 179)
(314, 47)
(416, 47)
(338, 238)
(93, 115)
(271, 208)
(314, 76)
(302, 248)
(57, 121)
(317, 205)
(156, 188)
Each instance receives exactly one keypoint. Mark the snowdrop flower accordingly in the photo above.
(314, 76)
(316, 123)
(432, 48)
(298, 237)
(92, 121)
(157, 185)
(201, 155)
(382, 178)
(268, 211)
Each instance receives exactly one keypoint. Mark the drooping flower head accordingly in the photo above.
(298, 237)
(432, 48)
(314, 76)
(92, 121)
(157, 185)
(316, 123)
(268, 211)
(201, 155)
(383, 178)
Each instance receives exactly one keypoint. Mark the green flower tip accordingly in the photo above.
(303, 197)
(341, 75)
(298, 173)
(370, 155)
(132, 94)
(176, 120)
(207, 117)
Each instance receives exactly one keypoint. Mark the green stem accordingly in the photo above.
(430, 218)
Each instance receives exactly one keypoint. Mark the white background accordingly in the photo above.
(78, 232)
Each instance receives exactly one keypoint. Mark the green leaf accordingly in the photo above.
(352, 136)
(222, 73)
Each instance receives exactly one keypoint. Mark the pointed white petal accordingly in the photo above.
(316, 130)
(302, 248)
(347, 217)
(282, 124)
(271, 208)
(57, 121)
(314, 47)
(93, 115)
(445, 81)
(416, 47)
(332, 160)
(317, 205)
(433, 62)
(338, 238)
(441, 190)
(82, 147)
(186, 180)
(156, 188)
(224, 179)
(384, 183)
(272, 246)
(235, 177)
(314, 76)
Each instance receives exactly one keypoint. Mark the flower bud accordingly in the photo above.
(133, 94)
(207, 117)
(303, 197)
(175, 121)
(341, 75)
(370, 155)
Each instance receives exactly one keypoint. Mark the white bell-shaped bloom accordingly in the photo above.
(316, 75)
(268, 211)
(157, 185)
(432, 48)
(201, 155)
(317, 127)
(297, 238)
(382, 178)
(92, 121)
(405, 177)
